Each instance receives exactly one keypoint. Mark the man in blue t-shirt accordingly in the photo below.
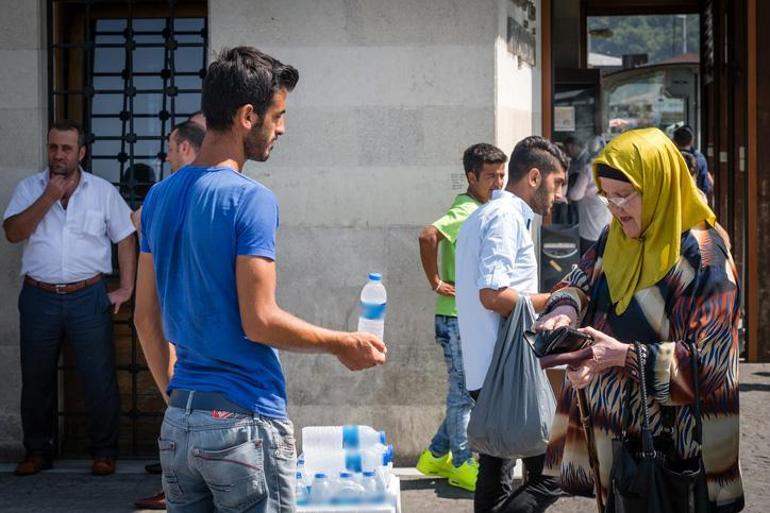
(206, 283)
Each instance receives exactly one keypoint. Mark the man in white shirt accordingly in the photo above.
(67, 220)
(495, 263)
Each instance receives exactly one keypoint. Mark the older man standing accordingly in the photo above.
(68, 220)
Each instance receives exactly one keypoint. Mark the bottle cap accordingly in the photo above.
(388, 456)
(299, 475)
(369, 473)
(375, 277)
(320, 475)
(382, 437)
(345, 475)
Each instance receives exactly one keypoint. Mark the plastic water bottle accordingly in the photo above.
(375, 456)
(333, 461)
(321, 491)
(347, 492)
(301, 492)
(373, 494)
(315, 438)
(374, 302)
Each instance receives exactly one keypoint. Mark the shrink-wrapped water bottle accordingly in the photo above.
(373, 493)
(301, 492)
(374, 303)
(346, 491)
(321, 491)
(316, 438)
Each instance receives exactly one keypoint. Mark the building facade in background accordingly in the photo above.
(390, 94)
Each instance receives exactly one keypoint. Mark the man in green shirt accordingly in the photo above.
(449, 454)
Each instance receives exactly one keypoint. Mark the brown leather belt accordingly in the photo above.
(63, 288)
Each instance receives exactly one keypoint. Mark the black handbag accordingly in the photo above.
(646, 475)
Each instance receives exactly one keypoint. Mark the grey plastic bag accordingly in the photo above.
(513, 414)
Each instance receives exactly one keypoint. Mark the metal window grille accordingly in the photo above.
(128, 71)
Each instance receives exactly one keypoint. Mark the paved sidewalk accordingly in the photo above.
(69, 488)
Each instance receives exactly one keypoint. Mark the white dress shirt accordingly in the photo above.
(494, 251)
(75, 243)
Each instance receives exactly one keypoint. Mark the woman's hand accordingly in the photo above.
(608, 352)
(560, 316)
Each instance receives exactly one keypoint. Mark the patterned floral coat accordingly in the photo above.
(698, 299)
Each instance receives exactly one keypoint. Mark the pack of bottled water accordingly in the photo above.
(344, 468)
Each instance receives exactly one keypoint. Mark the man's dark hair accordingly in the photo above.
(65, 125)
(191, 132)
(535, 152)
(683, 136)
(240, 76)
(573, 140)
(479, 154)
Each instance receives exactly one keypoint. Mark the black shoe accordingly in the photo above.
(153, 468)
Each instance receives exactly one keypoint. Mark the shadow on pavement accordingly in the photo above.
(754, 387)
(440, 486)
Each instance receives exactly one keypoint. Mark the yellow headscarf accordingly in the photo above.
(671, 205)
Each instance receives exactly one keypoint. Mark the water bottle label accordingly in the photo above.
(373, 311)
(350, 438)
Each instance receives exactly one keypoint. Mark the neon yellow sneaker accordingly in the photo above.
(430, 465)
(465, 475)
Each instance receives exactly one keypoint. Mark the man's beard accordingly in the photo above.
(541, 204)
(65, 170)
(253, 147)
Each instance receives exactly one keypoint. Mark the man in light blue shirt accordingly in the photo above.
(495, 263)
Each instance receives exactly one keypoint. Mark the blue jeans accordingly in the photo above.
(452, 434)
(227, 462)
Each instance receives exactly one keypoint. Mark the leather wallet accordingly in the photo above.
(562, 346)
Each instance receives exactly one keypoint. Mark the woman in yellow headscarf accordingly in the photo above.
(660, 275)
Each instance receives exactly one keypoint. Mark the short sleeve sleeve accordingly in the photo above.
(21, 200)
(450, 223)
(119, 225)
(257, 223)
(144, 223)
(500, 242)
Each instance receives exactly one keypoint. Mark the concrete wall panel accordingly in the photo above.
(10, 395)
(390, 94)
(23, 119)
(22, 24)
(22, 79)
(21, 140)
(357, 23)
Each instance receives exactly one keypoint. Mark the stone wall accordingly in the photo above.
(390, 94)
(23, 120)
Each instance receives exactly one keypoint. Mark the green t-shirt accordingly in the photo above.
(449, 226)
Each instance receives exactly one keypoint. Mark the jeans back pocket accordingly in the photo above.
(235, 475)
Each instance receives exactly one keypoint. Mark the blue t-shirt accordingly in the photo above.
(195, 223)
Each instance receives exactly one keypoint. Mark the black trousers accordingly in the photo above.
(495, 492)
(84, 319)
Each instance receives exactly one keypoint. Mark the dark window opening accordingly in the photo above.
(128, 72)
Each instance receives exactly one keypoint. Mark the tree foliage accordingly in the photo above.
(659, 36)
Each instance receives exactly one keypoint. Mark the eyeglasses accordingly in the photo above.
(617, 201)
